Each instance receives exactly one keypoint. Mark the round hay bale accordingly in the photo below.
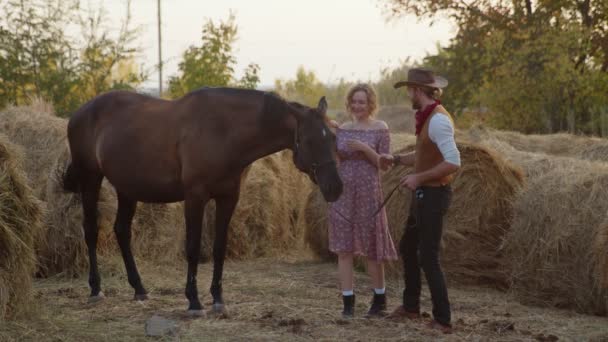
(20, 214)
(314, 219)
(600, 255)
(558, 233)
(41, 135)
(479, 216)
(560, 144)
(265, 221)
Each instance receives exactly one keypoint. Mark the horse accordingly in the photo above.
(191, 149)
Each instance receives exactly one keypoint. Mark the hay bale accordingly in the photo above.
(265, 221)
(41, 136)
(600, 255)
(560, 144)
(558, 233)
(476, 223)
(19, 225)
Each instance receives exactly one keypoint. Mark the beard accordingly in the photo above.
(416, 104)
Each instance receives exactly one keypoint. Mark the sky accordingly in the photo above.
(334, 38)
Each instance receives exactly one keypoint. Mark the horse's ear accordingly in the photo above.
(322, 106)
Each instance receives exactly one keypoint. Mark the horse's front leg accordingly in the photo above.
(225, 208)
(194, 208)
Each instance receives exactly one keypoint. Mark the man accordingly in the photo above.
(435, 159)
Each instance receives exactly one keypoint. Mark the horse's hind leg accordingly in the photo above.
(194, 209)
(122, 229)
(225, 209)
(91, 184)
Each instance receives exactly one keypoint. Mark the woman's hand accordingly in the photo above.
(356, 145)
(333, 124)
(385, 161)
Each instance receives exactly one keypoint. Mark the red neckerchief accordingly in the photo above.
(423, 114)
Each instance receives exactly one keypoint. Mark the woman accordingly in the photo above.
(353, 229)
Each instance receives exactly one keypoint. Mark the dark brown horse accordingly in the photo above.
(193, 149)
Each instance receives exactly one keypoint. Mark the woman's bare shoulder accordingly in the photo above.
(379, 124)
(346, 125)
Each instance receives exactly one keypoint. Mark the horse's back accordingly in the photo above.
(131, 140)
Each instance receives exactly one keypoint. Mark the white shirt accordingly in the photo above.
(441, 132)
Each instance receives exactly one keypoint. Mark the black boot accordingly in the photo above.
(378, 307)
(349, 306)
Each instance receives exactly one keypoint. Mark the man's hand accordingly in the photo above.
(385, 161)
(411, 181)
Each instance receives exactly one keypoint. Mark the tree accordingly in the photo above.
(212, 63)
(38, 59)
(305, 88)
(535, 66)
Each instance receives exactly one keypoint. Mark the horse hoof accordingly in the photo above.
(219, 309)
(196, 313)
(141, 297)
(98, 298)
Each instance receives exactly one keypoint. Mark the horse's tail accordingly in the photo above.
(71, 178)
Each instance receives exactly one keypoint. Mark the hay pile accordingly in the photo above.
(557, 245)
(560, 144)
(265, 221)
(41, 136)
(477, 221)
(19, 225)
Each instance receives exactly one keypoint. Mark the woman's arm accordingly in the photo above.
(369, 152)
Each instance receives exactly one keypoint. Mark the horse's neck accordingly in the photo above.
(269, 139)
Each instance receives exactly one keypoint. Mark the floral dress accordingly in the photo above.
(361, 197)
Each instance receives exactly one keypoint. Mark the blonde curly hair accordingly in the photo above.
(372, 97)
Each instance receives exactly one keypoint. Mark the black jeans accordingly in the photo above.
(419, 248)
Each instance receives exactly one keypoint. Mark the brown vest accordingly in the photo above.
(427, 153)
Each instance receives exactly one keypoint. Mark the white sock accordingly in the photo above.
(348, 293)
(380, 291)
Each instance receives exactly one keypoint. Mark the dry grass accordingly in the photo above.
(558, 241)
(477, 221)
(19, 226)
(560, 144)
(559, 218)
(290, 300)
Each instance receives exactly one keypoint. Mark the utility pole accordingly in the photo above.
(160, 55)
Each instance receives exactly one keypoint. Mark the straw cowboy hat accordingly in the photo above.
(422, 77)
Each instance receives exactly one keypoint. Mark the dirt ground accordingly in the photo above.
(282, 299)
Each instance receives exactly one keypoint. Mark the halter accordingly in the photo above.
(314, 166)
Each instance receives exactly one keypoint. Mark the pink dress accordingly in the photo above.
(362, 196)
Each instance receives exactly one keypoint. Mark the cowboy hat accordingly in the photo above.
(422, 77)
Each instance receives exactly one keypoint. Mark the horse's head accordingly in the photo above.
(313, 150)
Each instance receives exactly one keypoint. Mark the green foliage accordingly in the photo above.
(212, 63)
(533, 66)
(307, 88)
(39, 60)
